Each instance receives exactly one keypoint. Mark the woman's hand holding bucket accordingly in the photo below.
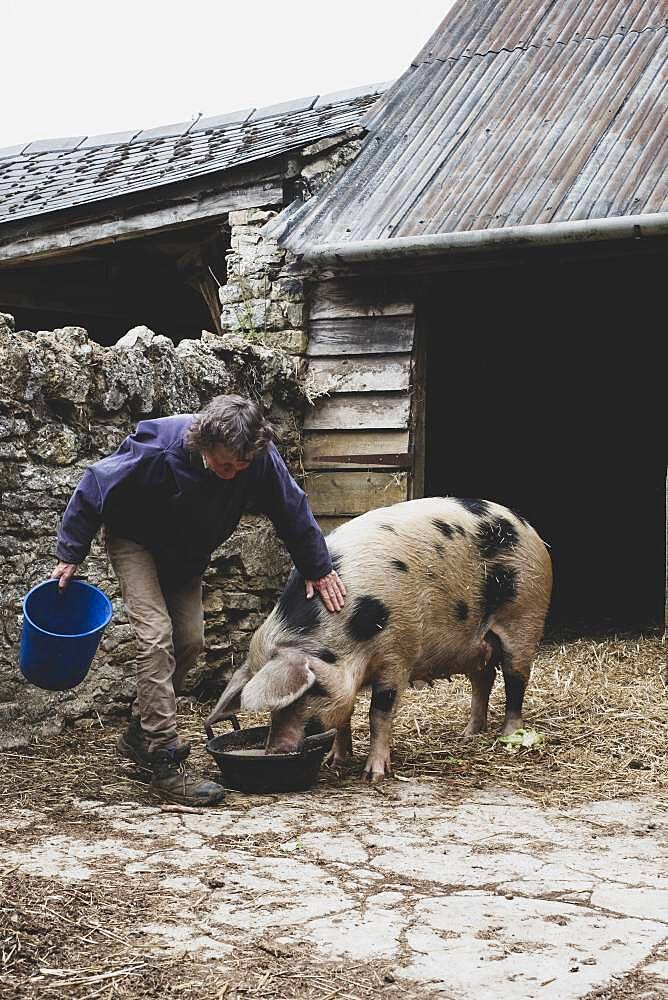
(63, 573)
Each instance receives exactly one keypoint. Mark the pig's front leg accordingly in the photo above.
(342, 747)
(384, 702)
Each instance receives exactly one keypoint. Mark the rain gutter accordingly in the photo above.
(407, 248)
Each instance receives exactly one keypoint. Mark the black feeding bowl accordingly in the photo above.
(260, 772)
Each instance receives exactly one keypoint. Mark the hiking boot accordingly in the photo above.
(133, 744)
(174, 782)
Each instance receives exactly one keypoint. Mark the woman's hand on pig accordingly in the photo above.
(331, 589)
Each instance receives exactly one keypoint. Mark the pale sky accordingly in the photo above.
(81, 67)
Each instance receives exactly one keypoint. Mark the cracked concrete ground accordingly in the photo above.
(491, 895)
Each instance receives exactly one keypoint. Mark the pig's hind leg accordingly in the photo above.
(519, 647)
(482, 677)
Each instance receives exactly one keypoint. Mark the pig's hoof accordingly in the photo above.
(473, 729)
(376, 770)
(511, 726)
(335, 759)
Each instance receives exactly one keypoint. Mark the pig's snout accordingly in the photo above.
(286, 734)
(284, 746)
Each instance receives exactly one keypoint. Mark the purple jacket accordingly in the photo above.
(156, 492)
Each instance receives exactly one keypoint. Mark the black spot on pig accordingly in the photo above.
(368, 618)
(515, 686)
(440, 548)
(460, 530)
(388, 527)
(443, 527)
(401, 566)
(293, 608)
(327, 655)
(382, 699)
(499, 588)
(478, 507)
(495, 537)
(497, 658)
(462, 610)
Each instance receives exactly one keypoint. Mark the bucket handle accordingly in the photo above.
(236, 725)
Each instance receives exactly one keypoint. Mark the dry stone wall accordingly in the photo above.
(65, 402)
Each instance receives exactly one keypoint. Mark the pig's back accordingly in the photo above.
(426, 577)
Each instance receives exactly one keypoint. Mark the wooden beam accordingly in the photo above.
(361, 335)
(208, 289)
(337, 300)
(319, 443)
(378, 372)
(386, 411)
(114, 223)
(340, 493)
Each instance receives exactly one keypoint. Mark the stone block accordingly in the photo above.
(244, 238)
(251, 622)
(290, 341)
(233, 292)
(11, 427)
(214, 601)
(242, 601)
(250, 216)
(12, 451)
(138, 337)
(287, 290)
(55, 445)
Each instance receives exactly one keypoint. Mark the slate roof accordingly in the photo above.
(516, 112)
(53, 174)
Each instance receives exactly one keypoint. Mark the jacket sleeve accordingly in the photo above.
(286, 505)
(81, 520)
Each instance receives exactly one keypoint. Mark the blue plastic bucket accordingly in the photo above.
(61, 633)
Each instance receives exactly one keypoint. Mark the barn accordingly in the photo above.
(486, 300)
(111, 231)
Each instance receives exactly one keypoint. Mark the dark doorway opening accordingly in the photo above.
(166, 281)
(545, 391)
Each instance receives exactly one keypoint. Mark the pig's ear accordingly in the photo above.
(230, 700)
(279, 683)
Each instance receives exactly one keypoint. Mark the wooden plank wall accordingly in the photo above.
(357, 438)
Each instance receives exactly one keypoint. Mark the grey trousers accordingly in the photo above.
(169, 626)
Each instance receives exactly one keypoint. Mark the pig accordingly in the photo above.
(435, 587)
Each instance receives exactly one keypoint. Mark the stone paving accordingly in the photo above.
(491, 895)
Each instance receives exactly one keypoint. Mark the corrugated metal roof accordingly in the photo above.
(478, 28)
(514, 113)
(53, 174)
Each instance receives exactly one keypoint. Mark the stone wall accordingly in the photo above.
(65, 402)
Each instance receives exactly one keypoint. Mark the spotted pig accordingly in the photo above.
(435, 587)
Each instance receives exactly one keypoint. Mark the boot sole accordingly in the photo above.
(183, 800)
